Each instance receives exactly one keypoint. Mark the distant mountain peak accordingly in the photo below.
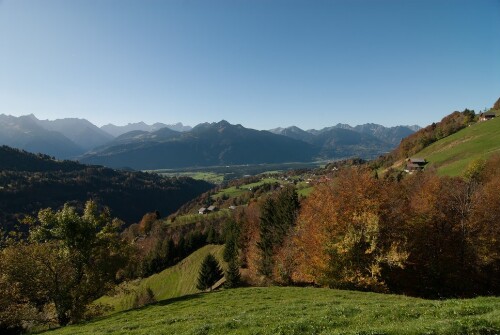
(142, 126)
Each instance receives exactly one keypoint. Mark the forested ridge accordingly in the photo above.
(30, 182)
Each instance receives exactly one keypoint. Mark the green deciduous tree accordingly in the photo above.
(68, 261)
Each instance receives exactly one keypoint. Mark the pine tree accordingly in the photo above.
(230, 254)
(278, 216)
(231, 235)
(233, 277)
(210, 273)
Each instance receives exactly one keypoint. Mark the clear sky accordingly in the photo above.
(261, 63)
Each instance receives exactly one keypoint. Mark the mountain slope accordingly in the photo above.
(295, 133)
(83, 133)
(31, 182)
(392, 135)
(207, 144)
(26, 133)
(341, 142)
(452, 154)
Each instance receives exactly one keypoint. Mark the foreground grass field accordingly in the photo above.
(292, 310)
(453, 154)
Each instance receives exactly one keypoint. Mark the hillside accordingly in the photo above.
(176, 281)
(452, 154)
(293, 310)
(30, 182)
(82, 132)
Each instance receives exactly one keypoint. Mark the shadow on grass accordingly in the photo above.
(159, 303)
(176, 299)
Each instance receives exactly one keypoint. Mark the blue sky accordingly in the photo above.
(261, 63)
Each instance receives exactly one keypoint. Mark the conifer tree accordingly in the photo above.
(278, 216)
(210, 272)
(230, 254)
(233, 277)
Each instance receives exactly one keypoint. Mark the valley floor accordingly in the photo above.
(292, 310)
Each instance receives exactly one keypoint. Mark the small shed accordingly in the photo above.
(212, 209)
(415, 164)
(202, 210)
(486, 116)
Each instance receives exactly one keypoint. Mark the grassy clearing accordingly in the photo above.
(191, 218)
(173, 282)
(305, 191)
(233, 191)
(453, 154)
(278, 310)
(211, 177)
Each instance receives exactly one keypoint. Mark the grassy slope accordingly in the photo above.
(175, 281)
(452, 154)
(292, 310)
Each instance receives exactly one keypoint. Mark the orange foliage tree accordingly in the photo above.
(343, 237)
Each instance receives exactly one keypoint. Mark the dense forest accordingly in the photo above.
(30, 182)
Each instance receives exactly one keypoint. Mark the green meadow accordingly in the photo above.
(293, 310)
(451, 155)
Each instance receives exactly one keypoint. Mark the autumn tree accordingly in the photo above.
(496, 105)
(343, 240)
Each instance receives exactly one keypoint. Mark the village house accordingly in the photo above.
(486, 116)
(415, 164)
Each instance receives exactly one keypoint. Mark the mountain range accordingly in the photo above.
(120, 130)
(156, 146)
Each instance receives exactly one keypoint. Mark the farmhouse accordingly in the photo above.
(202, 210)
(212, 209)
(486, 116)
(415, 164)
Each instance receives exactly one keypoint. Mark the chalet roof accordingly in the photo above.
(417, 160)
(202, 209)
(211, 208)
(489, 114)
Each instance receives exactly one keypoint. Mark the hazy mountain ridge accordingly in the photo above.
(391, 135)
(26, 133)
(116, 131)
(82, 132)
